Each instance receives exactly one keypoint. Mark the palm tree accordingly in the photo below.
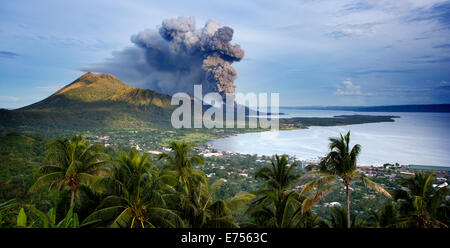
(420, 204)
(136, 195)
(386, 216)
(340, 163)
(72, 163)
(275, 210)
(277, 205)
(199, 208)
(280, 175)
(182, 164)
(196, 199)
(339, 220)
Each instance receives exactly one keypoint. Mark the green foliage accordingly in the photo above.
(386, 216)
(48, 220)
(182, 163)
(21, 218)
(135, 195)
(304, 122)
(20, 156)
(339, 219)
(420, 204)
(72, 163)
(195, 202)
(281, 174)
(128, 189)
(340, 163)
(277, 206)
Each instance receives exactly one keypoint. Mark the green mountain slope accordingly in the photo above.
(20, 157)
(92, 101)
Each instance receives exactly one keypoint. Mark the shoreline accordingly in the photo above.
(385, 118)
(286, 144)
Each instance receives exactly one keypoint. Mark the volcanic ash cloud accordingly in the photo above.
(175, 56)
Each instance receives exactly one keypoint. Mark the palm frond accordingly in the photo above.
(373, 185)
(309, 202)
(240, 200)
(314, 184)
(46, 179)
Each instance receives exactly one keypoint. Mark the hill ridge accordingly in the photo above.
(93, 101)
(86, 79)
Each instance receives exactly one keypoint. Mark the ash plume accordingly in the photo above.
(175, 56)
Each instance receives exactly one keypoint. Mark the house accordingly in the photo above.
(211, 154)
(332, 204)
(154, 152)
(166, 149)
(407, 173)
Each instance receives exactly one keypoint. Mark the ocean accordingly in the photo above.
(414, 138)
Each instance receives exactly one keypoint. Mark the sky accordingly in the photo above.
(311, 52)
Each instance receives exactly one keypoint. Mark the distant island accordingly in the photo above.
(338, 120)
(437, 108)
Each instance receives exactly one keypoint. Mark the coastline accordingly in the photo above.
(383, 143)
(284, 128)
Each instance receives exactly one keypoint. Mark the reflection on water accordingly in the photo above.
(415, 138)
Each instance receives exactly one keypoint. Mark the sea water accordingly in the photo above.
(414, 138)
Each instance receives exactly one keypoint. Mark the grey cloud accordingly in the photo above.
(8, 54)
(439, 12)
(356, 7)
(442, 46)
(176, 56)
(379, 71)
(429, 60)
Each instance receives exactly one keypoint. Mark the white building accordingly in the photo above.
(332, 204)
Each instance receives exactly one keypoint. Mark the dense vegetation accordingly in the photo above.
(339, 120)
(72, 183)
(20, 156)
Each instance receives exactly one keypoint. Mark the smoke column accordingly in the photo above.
(175, 56)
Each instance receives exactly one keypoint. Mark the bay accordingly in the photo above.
(414, 138)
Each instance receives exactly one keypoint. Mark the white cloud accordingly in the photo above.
(349, 89)
(360, 29)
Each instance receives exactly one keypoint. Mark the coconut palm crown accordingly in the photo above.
(73, 162)
(338, 165)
